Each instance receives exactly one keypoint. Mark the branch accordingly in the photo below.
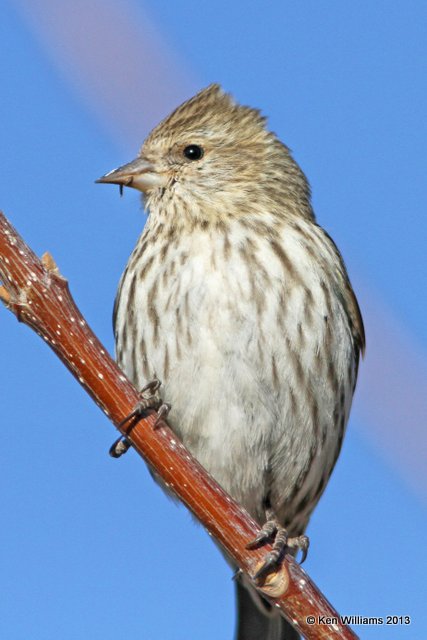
(38, 295)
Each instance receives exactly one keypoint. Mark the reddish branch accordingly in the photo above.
(38, 295)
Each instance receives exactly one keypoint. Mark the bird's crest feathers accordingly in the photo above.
(209, 110)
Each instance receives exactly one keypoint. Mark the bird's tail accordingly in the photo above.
(256, 620)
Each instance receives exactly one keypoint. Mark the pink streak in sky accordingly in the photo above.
(391, 400)
(117, 62)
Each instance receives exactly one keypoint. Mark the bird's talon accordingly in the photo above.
(119, 447)
(267, 532)
(153, 386)
(149, 399)
(300, 543)
(259, 540)
(272, 530)
(162, 412)
(255, 542)
(269, 562)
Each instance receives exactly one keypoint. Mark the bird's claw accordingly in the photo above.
(162, 412)
(270, 561)
(119, 447)
(300, 543)
(152, 386)
(272, 530)
(149, 399)
(265, 534)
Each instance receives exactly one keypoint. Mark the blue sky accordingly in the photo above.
(90, 547)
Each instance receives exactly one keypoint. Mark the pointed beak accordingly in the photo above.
(139, 174)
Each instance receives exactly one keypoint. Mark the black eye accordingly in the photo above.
(193, 152)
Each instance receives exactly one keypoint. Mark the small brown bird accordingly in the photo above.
(240, 303)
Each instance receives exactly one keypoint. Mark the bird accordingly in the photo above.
(240, 303)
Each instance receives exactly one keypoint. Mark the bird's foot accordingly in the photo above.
(273, 531)
(149, 399)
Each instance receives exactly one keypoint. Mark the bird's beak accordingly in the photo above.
(139, 174)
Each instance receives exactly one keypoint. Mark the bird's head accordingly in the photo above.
(213, 158)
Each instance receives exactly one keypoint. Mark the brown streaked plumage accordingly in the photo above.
(240, 303)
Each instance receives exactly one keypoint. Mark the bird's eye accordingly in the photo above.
(193, 152)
